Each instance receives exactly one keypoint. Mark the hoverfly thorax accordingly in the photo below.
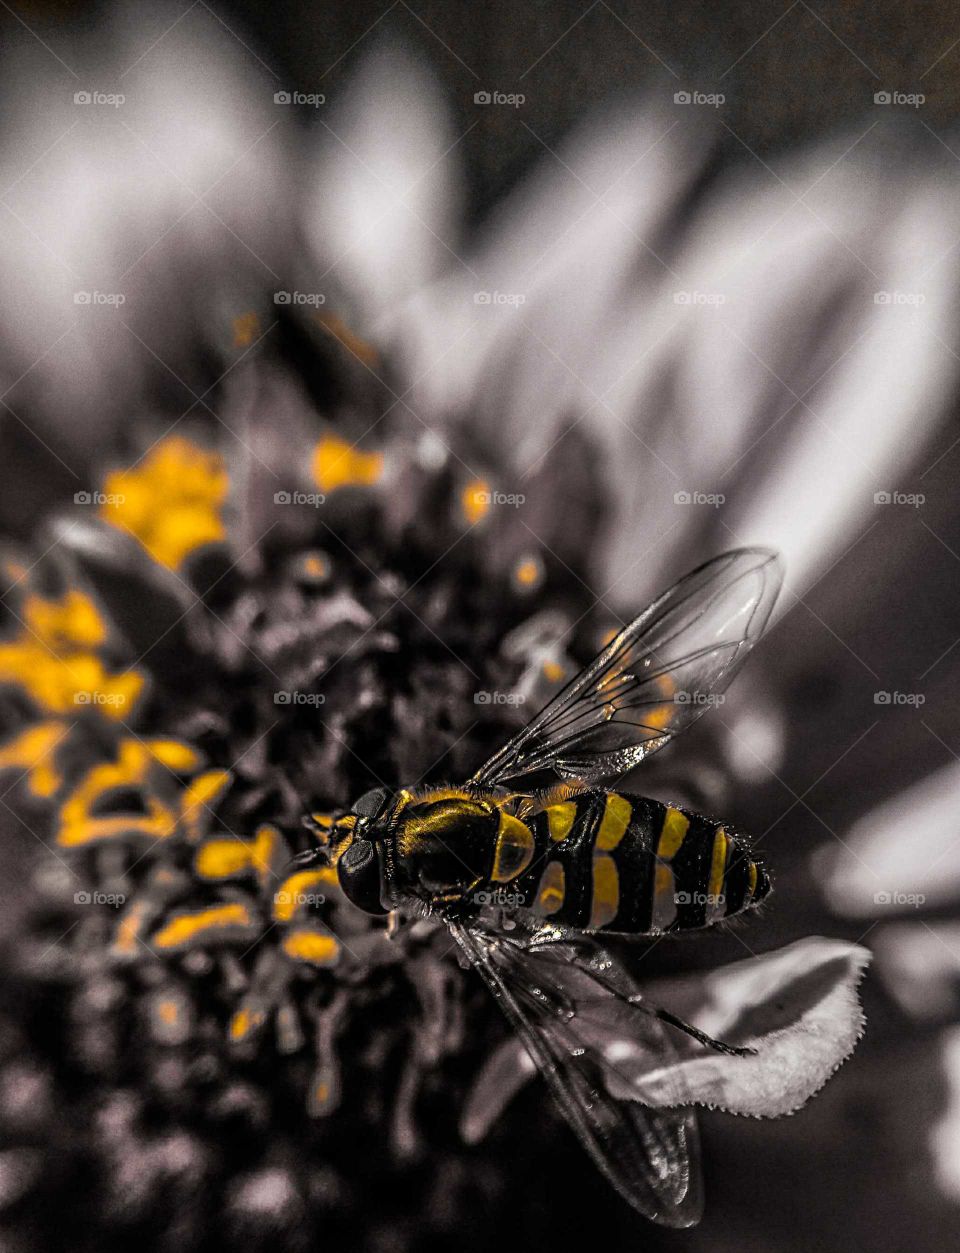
(431, 847)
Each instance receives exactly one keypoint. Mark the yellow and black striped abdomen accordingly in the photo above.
(606, 861)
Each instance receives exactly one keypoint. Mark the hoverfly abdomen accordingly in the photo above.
(702, 872)
(629, 864)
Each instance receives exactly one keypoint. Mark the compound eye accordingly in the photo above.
(359, 873)
(371, 804)
(357, 856)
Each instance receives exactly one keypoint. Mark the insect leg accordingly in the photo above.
(617, 982)
(394, 924)
(731, 1050)
(311, 857)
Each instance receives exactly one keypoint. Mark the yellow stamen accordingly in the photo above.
(338, 464)
(171, 502)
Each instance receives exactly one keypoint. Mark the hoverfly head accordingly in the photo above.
(357, 851)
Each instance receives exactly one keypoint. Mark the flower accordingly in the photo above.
(284, 607)
(175, 759)
(176, 816)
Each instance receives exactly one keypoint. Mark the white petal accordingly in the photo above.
(501, 1077)
(920, 965)
(797, 1007)
(735, 347)
(902, 854)
(945, 1134)
(384, 210)
(163, 213)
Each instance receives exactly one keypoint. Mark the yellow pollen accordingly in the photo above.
(244, 1021)
(357, 347)
(294, 893)
(315, 947)
(129, 928)
(72, 622)
(33, 752)
(245, 327)
(201, 925)
(199, 799)
(475, 500)
(171, 502)
(338, 464)
(133, 767)
(553, 671)
(527, 572)
(225, 859)
(54, 659)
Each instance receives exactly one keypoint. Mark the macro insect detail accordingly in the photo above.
(534, 860)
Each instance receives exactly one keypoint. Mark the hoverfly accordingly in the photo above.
(531, 878)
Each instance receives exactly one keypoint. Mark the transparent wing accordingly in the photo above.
(587, 1042)
(650, 683)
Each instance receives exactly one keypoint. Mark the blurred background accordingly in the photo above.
(668, 281)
